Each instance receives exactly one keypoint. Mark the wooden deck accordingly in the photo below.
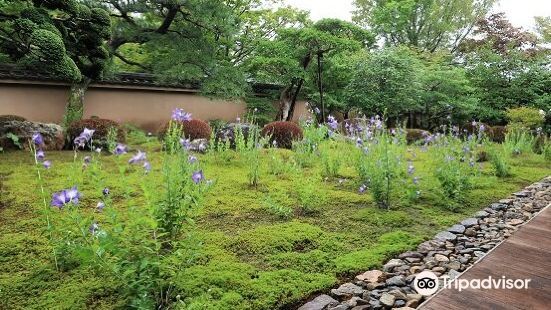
(525, 255)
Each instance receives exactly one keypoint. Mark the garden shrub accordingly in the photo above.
(518, 141)
(525, 117)
(102, 129)
(7, 118)
(500, 163)
(192, 129)
(497, 133)
(283, 133)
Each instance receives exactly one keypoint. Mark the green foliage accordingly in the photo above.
(277, 209)
(385, 81)
(499, 161)
(14, 139)
(518, 141)
(525, 118)
(62, 38)
(425, 24)
(309, 197)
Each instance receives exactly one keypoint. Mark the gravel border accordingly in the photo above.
(448, 254)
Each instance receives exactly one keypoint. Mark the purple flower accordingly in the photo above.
(87, 160)
(80, 142)
(274, 144)
(87, 133)
(416, 180)
(37, 139)
(363, 188)
(73, 195)
(317, 110)
(359, 142)
(186, 144)
(120, 149)
(64, 197)
(47, 164)
(192, 159)
(197, 176)
(366, 150)
(100, 206)
(93, 228)
(85, 136)
(180, 115)
(332, 122)
(105, 191)
(146, 166)
(40, 155)
(98, 150)
(411, 169)
(139, 157)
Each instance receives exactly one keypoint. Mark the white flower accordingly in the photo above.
(542, 113)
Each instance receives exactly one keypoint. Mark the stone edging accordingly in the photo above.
(449, 253)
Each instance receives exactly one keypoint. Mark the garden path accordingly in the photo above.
(525, 255)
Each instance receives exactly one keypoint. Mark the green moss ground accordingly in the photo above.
(250, 258)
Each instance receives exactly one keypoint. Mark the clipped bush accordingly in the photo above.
(525, 117)
(193, 129)
(413, 135)
(7, 118)
(497, 133)
(283, 133)
(101, 127)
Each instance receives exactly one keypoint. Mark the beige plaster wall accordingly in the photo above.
(147, 108)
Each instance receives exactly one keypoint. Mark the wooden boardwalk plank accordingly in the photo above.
(525, 255)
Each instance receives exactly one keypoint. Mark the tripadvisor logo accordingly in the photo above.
(426, 283)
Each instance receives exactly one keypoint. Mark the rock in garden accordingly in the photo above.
(387, 299)
(347, 290)
(411, 254)
(453, 274)
(393, 263)
(340, 307)
(372, 276)
(15, 134)
(515, 222)
(457, 229)
(398, 294)
(481, 214)
(445, 236)
(441, 258)
(319, 303)
(470, 221)
(396, 281)
(470, 232)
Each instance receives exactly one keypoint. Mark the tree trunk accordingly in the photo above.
(294, 101)
(320, 85)
(287, 111)
(285, 103)
(75, 104)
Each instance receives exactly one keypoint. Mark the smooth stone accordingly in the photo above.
(441, 258)
(445, 236)
(470, 232)
(387, 299)
(372, 276)
(396, 281)
(393, 263)
(457, 229)
(319, 303)
(481, 214)
(470, 221)
(347, 289)
(515, 222)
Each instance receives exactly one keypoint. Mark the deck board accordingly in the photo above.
(525, 255)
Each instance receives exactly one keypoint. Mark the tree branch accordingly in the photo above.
(130, 62)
